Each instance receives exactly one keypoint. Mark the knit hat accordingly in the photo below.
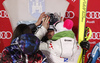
(63, 26)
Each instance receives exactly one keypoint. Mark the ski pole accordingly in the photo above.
(86, 38)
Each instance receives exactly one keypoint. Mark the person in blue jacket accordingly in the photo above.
(94, 54)
(24, 46)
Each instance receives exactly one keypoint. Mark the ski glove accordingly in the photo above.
(85, 45)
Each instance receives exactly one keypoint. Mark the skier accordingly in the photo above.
(63, 47)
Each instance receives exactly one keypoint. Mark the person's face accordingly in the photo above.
(50, 34)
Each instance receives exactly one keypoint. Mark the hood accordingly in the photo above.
(28, 43)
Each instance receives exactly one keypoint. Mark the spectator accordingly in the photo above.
(24, 46)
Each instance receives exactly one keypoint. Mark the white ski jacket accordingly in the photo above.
(63, 50)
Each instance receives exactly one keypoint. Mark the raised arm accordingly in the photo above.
(42, 31)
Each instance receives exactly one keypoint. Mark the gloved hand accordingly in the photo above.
(85, 45)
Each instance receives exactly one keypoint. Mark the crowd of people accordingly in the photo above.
(53, 42)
